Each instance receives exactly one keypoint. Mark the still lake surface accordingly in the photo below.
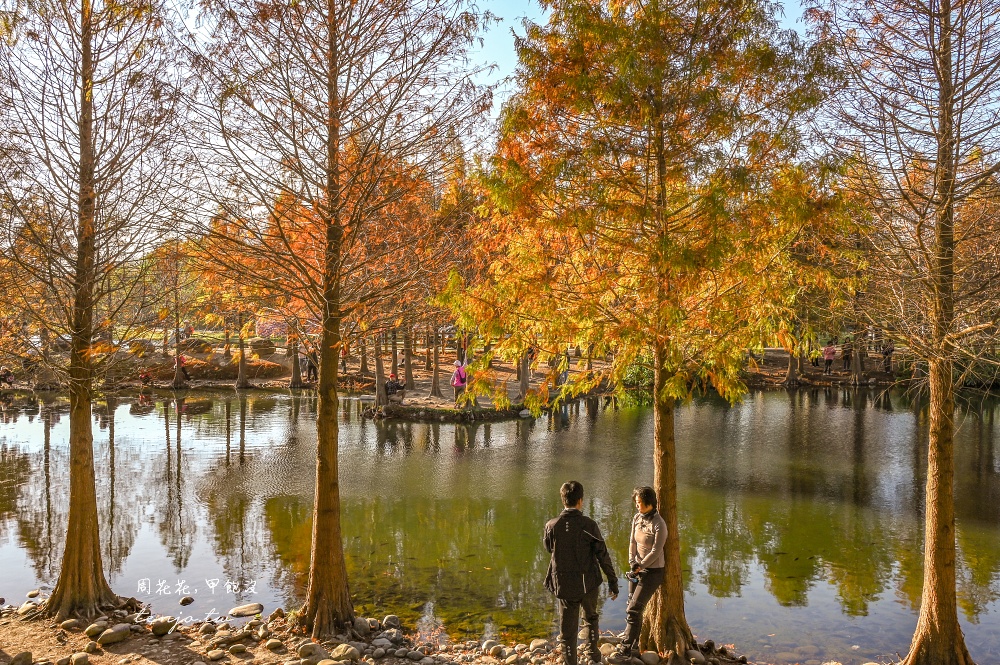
(801, 512)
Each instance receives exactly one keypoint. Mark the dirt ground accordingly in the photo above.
(49, 644)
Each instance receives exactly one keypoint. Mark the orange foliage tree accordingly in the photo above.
(327, 116)
(645, 192)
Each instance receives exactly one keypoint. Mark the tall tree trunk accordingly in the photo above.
(363, 346)
(178, 381)
(436, 371)
(296, 381)
(82, 590)
(227, 351)
(524, 374)
(428, 353)
(664, 624)
(408, 359)
(242, 381)
(381, 398)
(328, 605)
(395, 355)
(791, 375)
(938, 638)
(857, 366)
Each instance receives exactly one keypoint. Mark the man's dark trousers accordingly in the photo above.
(569, 626)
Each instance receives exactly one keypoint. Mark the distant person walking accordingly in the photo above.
(829, 353)
(847, 351)
(459, 379)
(312, 368)
(887, 350)
(578, 555)
(6, 376)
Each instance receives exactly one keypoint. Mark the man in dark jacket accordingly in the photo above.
(574, 575)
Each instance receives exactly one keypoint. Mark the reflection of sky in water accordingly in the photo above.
(800, 513)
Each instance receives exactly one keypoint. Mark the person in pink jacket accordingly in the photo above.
(829, 353)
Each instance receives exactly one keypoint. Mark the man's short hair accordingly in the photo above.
(571, 493)
(645, 494)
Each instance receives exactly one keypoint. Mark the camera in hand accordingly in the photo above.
(632, 576)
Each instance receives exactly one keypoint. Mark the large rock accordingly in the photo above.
(34, 593)
(216, 654)
(607, 649)
(186, 600)
(395, 635)
(92, 647)
(207, 628)
(652, 658)
(247, 610)
(345, 652)
(538, 644)
(117, 633)
(70, 624)
(79, 658)
(415, 656)
(23, 658)
(391, 621)
(488, 644)
(162, 625)
(362, 626)
(381, 642)
(378, 653)
(311, 650)
(496, 650)
(237, 648)
(273, 645)
(695, 656)
(26, 607)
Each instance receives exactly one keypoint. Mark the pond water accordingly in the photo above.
(801, 512)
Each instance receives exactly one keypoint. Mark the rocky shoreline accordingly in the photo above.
(132, 634)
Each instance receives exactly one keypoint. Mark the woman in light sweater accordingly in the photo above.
(646, 559)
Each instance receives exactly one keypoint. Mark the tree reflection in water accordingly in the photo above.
(795, 506)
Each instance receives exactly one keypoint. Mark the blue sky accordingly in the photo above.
(498, 43)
